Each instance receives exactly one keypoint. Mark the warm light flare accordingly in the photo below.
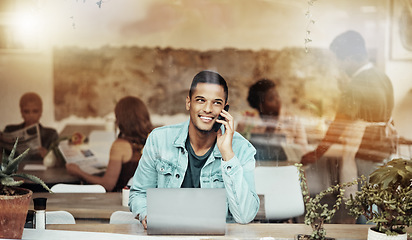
(26, 22)
(26, 29)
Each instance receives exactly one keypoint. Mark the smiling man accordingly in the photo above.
(193, 155)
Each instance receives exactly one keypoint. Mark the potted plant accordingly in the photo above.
(318, 213)
(14, 201)
(386, 199)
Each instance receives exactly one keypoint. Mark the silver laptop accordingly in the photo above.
(181, 211)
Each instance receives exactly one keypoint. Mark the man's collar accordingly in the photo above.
(367, 66)
(184, 134)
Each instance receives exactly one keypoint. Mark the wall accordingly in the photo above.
(88, 83)
(400, 73)
(23, 72)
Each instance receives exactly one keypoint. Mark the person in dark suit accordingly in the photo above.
(363, 119)
(363, 123)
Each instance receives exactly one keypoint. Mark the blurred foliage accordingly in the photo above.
(317, 213)
(386, 199)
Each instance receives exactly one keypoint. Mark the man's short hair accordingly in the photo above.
(349, 44)
(209, 77)
(257, 92)
(30, 97)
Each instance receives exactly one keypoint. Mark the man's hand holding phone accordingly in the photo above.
(224, 141)
(217, 124)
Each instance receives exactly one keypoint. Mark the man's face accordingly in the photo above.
(205, 105)
(271, 104)
(31, 113)
(348, 65)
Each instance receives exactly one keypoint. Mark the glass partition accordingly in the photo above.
(292, 92)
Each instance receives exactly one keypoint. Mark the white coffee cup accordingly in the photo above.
(125, 197)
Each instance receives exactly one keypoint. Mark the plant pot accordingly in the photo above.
(374, 235)
(13, 213)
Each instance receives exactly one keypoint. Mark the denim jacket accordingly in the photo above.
(164, 162)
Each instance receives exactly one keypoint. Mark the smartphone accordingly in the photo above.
(217, 125)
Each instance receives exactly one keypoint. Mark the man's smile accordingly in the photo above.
(206, 118)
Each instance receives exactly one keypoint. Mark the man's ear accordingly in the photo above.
(187, 103)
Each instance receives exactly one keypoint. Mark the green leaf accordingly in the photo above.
(14, 164)
(33, 179)
(10, 182)
(13, 151)
(3, 161)
(386, 181)
(2, 175)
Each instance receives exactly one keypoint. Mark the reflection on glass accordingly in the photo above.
(276, 135)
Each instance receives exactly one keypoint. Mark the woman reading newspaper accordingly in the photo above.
(133, 121)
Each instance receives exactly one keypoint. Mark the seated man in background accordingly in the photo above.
(194, 155)
(31, 108)
(273, 120)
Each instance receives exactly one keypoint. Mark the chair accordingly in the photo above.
(282, 191)
(123, 217)
(59, 217)
(77, 188)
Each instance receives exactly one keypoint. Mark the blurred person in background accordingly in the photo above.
(133, 121)
(363, 123)
(272, 119)
(31, 109)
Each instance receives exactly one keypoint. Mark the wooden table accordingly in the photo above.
(233, 231)
(50, 176)
(97, 206)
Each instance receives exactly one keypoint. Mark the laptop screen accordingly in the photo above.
(193, 211)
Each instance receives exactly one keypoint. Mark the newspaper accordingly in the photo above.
(82, 156)
(29, 137)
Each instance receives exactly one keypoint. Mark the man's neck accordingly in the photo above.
(29, 124)
(201, 141)
(353, 66)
